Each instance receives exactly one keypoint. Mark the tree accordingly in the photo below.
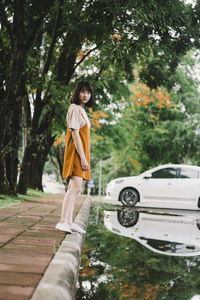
(152, 126)
(20, 23)
(80, 39)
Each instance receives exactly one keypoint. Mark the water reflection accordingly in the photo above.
(164, 233)
(116, 266)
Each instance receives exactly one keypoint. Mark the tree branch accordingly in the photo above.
(47, 97)
(18, 22)
(38, 23)
(33, 33)
(83, 58)
(53, 41)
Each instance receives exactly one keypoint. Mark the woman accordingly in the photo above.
(77, 153)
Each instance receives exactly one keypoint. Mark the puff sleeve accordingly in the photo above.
(73, 118)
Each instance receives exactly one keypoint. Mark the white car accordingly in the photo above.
(166, 186)
(168, 234)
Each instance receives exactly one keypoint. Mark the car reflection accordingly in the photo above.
(168, 233)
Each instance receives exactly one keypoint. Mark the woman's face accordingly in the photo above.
(84, 96)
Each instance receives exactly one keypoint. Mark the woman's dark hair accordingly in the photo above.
(83, 86)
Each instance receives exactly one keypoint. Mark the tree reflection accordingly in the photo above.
(116, 267)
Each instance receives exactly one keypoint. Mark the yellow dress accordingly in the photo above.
(72, 165)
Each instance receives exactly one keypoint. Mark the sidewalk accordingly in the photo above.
(28, 242)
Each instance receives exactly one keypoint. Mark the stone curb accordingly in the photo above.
(60, 278)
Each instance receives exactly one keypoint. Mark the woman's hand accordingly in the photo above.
(84, 164)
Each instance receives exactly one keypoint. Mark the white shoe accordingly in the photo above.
(63, 227)
(75, 227)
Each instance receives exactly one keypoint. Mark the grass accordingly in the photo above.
(7, 200)
(97, 198)
(55, 247)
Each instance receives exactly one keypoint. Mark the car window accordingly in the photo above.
(188, 173)
(164, 173)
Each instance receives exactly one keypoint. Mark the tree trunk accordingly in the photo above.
(12, 83)
(10, 114)
(10, 120)
(13, 139)
(35, 179)
(4, 184)
(36, 171)
(40, 139)
(35, 156)
(33, 166)
(25, 168)
(58, 154)
(37, 166)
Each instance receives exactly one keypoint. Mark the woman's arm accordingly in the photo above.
(79, 149)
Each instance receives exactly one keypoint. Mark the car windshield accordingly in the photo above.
(171, 247)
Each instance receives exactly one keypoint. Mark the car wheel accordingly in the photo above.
(127, 216)
(198, 204)
(198, 224)
(129, 197)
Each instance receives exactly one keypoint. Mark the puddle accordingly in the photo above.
(140, 254)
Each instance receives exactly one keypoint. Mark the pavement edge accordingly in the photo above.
(60, 278)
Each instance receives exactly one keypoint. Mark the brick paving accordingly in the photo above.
(28, 242)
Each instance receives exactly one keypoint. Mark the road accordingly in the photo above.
(51, 186)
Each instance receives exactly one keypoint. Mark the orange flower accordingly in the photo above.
(59, 140)
(117, 36)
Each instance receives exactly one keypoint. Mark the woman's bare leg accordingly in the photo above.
(75, 185)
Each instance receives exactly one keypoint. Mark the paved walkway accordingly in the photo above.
(28, 242)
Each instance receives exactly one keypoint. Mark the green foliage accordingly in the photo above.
(64, 42)
(49, 168)
(152, 126)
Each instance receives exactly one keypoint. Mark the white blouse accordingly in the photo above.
(77, 117)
